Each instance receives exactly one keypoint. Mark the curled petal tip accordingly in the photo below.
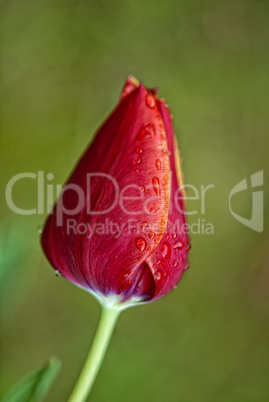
(133, 80)
(131, 84)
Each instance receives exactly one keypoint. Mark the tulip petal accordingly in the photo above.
(169, 260)
(128, 150)
(130, 84)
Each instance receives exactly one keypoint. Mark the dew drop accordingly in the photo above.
(140, 244)
(175, 264)
(150, 101)
(57, 273)
(136, 170)
(137, 161)
(174, 235)
(151, 235)
(139, 150)
(147, 191)
(133, 230)
(158, 275)
(178, 245)
(142, 189)
(153, 210)
(142, 133)
(144, 225)
(158, 164)
(166, 250)
(40, 229)
(145, 132)
(156, 185)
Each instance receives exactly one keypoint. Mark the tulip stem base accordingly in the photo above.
(96, 355)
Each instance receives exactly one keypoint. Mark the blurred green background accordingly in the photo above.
(63, 64)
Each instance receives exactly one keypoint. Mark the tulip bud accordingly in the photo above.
(118, 229)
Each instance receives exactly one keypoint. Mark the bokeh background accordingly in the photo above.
(63, 64)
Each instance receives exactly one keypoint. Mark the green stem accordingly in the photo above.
(96, 355)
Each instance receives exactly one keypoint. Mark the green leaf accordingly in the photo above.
(35, 386)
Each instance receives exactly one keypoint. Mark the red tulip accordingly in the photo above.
(118, 229)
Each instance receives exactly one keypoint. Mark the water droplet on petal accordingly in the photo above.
(151, 235)
(139, 150)
(140, 244)
(133, 230)
(156, 185)
(145, 132)
(158, 164)
(142, 134)
(57, 273)
(166, 250)
(175, 264)
(153, 210)
(178, 245)
(158, 275)
(144, 225)
(174, 235)
(150, 101)
(136, 170)
(137, 161)
(142, 189)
